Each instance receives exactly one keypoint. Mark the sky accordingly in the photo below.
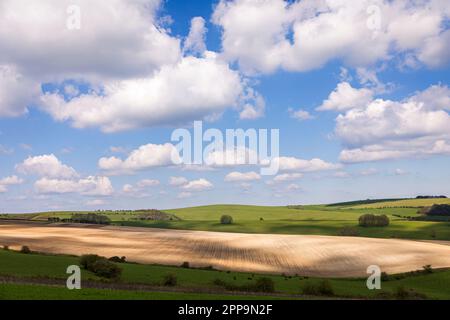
(91, 92)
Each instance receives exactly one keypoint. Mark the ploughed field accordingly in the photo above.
(308, 255)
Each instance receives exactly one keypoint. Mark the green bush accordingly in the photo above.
(260, 285)
(169, 280)
(25, 249)
(371, 220)
(401, 293)
(87, 260)
(226, 219)
(323, 288)
(100, 266)
(349, 232)
(264, 285)
(106, 269)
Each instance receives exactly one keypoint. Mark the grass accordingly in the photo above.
(40, 292)
(413, 203)
(434, 285)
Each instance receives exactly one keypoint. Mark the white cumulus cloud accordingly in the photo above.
(48, 166)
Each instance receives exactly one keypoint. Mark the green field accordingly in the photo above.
(40, 292)
(308, 220)
(412, 203)
(35, 266)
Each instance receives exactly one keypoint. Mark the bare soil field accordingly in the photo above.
(320, 256)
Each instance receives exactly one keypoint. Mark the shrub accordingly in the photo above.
(260, 285)
(106, 269)
(349, 232)
(6, 248)
(185, 265)
(264, 285)
(226, 219)
(401, 293)
(118, 259)
(25, 249)
(428, 269)
(87, 260)
(371, 220)
(169, 280)
(323, 288)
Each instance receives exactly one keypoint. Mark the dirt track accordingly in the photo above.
(291, 254)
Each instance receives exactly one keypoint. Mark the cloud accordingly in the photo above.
(287, 177)
(197, 185)
(141, 187)
(136, 74)
(300, 114)
(145, 157)
(368, 172)
(148, 183)
(38, 41)
(48, 166)
(264, 36)
(16, 91)
(5, 150)
(178, 181)
(346, 97)
(254, 106)
(90, 186)
(184, 195)
(400, 172)
(195, 42)
(386, 129)
(230, 157)
(301, 165)
(242, 176)
(95, 203)
(9, 181)
(293, 187)
(193, 89)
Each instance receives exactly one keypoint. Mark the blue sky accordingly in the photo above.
(365, 96)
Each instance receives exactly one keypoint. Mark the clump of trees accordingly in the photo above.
(372, 220)
(100, 266)
(441, 210)
(91, 218)
(226, 219)
(431, 197)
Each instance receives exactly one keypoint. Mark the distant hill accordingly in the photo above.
(360, 202)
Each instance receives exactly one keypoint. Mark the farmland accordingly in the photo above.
(261, 253)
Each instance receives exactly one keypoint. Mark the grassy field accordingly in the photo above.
(307, 220)
(35, 266)
(41, 292)
(412, 203)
